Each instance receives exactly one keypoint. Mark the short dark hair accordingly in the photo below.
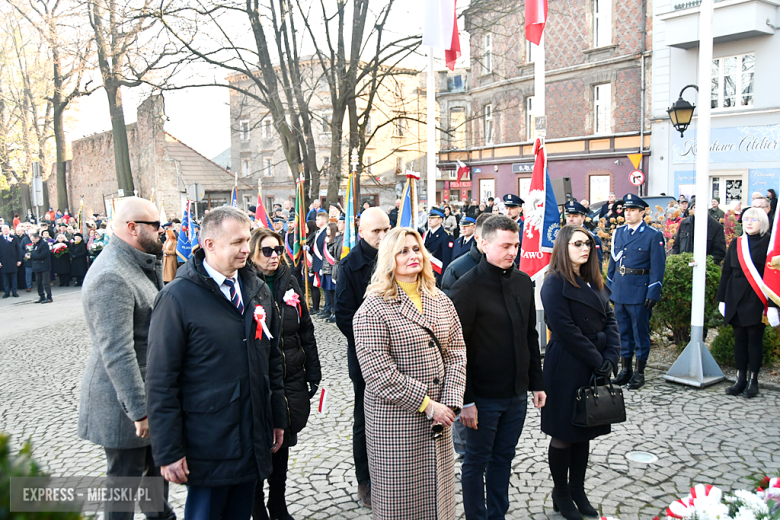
(498, 222)
(560, 261)
(481, 221)
(490, 199)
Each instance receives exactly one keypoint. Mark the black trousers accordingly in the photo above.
(135, 462)
(315, 297)
(748, 346)
(359, 452)
(44, 284)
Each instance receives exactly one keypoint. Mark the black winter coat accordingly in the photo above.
(61, 265)
(459, 267)
(354, 275)
(741, 300)
(10, 253)
(497, 311)
(584, 333)
(41, 257)
(716, 238)
(299, 351)
(214, 392)
(78, 256)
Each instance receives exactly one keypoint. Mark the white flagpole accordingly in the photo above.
(431, 102)
(540, 132)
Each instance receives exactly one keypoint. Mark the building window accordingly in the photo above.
(602, 22)
(488, 124)
(246, 168)
(266, 128)
(732, 81)
(369, 125)
(327, 119)
(400, 126)
(268, 169)
(531, 52)
(399, 165)
(530, 123)
(370, 165)
(244, 126)
(458, 128)
(602, 101)
(269, 204)
(487, 54)
(599, 187)
(247, 202)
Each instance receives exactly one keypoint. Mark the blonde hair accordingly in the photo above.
(383, 280)
(759, 214)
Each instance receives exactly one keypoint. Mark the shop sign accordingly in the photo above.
(731, 145)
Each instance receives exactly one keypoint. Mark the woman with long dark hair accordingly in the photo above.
(584, 341)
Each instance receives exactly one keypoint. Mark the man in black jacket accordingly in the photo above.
(716, 237)
(214, 374)
(41, 261)
(467, 262)
(495, 304)
(354, 275)
(10, 261)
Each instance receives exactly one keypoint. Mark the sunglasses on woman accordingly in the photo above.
(268, 251)
(437, 430)
(579, 244)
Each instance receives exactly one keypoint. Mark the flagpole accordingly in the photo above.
(302, 234)
(431, 120)
(540, 131)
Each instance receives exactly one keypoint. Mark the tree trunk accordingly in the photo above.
(335, 162)
(124, 174)
(59, 140)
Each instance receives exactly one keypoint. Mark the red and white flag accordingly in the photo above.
(535, 18)
(440, 29)
(771, 280)
(462, 169)
(436, 265)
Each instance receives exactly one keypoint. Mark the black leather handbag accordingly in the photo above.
(598, 405)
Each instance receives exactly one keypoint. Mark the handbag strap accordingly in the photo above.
(435, 340)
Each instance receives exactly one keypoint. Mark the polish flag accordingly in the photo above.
(436, 265)
(462, 169)
(440, 29)
(771, 280)
(535, 18)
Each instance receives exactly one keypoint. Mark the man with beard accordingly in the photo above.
(118, 292)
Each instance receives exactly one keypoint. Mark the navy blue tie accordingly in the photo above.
(234, 298)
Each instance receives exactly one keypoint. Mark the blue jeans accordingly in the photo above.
(459, 437)
(329, 301)
(28, 276)
(220, 502)
(489, 453)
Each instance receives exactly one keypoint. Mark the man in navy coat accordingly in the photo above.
(439, 243)
(10, 259)
(575, 214)
(514, 210)
(464, 242)
(635, 276)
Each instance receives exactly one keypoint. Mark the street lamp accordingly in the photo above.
(681, 112)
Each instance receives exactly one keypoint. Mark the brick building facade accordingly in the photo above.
(597, 69)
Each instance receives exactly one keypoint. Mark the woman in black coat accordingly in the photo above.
(78, 255)
(584, 341)
(60, 262)
(302, 371)
(741, 306)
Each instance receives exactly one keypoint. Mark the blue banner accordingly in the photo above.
(737, 144)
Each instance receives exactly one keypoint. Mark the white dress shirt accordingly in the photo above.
(220, 279)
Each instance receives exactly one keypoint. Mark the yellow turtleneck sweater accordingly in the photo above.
(411, 291)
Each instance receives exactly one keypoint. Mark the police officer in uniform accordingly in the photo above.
(439, 243)
(463, 243)
(635, 276)
(575, 214)
(514, 210)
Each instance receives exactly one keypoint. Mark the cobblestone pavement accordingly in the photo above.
(697, 435)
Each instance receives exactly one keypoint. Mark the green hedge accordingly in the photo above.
(722, 347)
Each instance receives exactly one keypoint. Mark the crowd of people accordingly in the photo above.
(202, 372)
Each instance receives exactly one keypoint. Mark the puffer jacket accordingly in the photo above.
(301, 360)
(326, 267)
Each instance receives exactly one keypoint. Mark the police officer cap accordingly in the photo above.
(278, 219)
(512, 201)
(252, 209)
(467, 221)
(633, 201)
(291, 218)
(342, 217)
(436, 212)
(573, 207)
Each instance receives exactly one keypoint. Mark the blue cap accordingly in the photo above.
(467, 221)
(634, 201)
(436, 212)
(342, 217)
(573, 207)
(512, 201)
(278, 219)
(291, 218)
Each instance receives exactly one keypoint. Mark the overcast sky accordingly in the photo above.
(200, 117)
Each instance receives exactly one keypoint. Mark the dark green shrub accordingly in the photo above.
(722, 347)
(21, 465)
(674, 309)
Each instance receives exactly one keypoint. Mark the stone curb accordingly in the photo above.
(762, 385)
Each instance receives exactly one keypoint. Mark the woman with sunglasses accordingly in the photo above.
(742, 307)
(302, 371)
(410, 347)
(584, 341)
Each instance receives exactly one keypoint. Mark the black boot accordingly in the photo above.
(258, 507)
(578, 465)
(740, 385)
(638, 379)
(625, 374)
(558, 459)
(277, 505)
(752, 389)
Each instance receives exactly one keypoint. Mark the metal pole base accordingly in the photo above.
(695, 366)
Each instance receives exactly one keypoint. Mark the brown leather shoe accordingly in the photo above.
(364, 494)
(29, 290)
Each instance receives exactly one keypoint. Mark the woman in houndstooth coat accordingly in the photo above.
(413, 389)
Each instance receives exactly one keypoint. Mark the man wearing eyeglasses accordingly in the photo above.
(635, 277)
(118, 293)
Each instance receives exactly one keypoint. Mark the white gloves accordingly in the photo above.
(773, 317)
(722, 308)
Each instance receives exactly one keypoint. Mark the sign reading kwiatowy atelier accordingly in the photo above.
(738, 144)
